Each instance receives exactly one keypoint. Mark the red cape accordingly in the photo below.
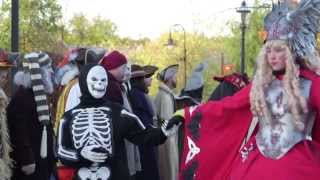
(224, 125)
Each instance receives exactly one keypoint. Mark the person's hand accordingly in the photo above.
(171, 126)
(28, 169)
(89, 154)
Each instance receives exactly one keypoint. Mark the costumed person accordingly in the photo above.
(29, 120)
(283, 97)
(119, 72)
(91, 135)
(150, 70)
(142, 107)
(168, 153)
(67, 79)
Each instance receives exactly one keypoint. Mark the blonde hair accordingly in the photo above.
(263, 77)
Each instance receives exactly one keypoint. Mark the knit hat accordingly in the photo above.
(196, 81)
(113, 60)
(137, 71)
(194, 86)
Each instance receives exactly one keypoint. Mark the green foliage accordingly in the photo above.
(199, 48)
(253, 41)
(38, 24)
(96, 32)
(41, 28)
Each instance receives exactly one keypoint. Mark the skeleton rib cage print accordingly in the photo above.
(92, 126)
(89, 127)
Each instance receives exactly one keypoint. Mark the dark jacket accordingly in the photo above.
(114, 90)
(25, 135)
(144, 111)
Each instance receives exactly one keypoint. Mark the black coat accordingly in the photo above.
(141, 107)
(114, 90)
(25, 135)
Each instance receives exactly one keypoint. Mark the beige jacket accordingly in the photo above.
(168, 152)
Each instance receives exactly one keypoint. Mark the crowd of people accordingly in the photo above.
(91, 117)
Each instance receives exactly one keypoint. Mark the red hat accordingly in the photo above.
(113, 60)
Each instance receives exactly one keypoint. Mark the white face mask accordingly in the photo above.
(97, 81)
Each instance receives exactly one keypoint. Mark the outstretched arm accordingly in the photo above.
(137, 133)
(239, 101)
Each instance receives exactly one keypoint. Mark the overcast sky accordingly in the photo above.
(150, 18)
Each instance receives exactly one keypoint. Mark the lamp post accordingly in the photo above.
(243, 10)
(15, 25)
(171, 43)
(14, 37)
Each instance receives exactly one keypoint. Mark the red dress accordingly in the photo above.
(302, 162)
(224, 125)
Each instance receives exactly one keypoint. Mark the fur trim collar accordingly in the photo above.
(22, 78)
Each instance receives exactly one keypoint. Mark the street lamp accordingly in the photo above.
(15, 25)
(243, 10)
(171, 43)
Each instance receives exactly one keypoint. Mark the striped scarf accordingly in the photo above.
(32, 63)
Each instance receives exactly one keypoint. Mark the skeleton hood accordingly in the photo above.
(86, 97)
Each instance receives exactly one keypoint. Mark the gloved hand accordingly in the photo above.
(28, 169)
(171, 126)
(89, 154)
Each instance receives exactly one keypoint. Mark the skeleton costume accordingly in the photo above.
(67, 78)
(91, 135)
(278, 148)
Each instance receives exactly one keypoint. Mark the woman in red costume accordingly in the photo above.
(284, 99)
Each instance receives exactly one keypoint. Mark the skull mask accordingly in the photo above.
(97, 82)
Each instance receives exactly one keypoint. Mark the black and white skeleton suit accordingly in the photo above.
(91, 136)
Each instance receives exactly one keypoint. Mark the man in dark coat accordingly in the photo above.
(144, 110)
(29, 121)
(117, 67)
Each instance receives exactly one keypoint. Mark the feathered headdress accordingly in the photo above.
(298, 26)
